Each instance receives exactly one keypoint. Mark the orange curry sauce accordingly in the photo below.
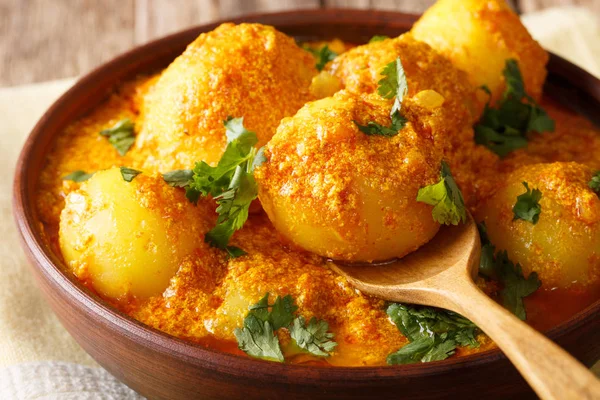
(194, 305)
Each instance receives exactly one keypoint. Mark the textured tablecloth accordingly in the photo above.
(38, 358)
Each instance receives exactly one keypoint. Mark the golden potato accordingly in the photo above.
(563, 247)
(127, 239)
(360, 68)
(440, 101)
(478, 36)
(335, 191)
(247, 70)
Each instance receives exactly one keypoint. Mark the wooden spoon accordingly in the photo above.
(441, 274)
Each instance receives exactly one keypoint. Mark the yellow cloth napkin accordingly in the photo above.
(37, 356)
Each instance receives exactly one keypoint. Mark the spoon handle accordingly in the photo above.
(551, 371)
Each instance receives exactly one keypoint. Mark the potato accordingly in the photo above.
(127, 239)
(564, 246)
(478, 36)
(440, 100)
(337, 192)
(359, 70)
(248, 70)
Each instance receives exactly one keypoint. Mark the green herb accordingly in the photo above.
(323, 55)
(120, 135)
(392, 85)
(449, 206)
(281, 313)
(313, 337)
(257, 338)
(504, 128)
(78, 176)
(231, 183)
(433, 334)
(594, 183)
(234, 252)
(179, 178)
(498, 266)
(528, 206)
(373, 128)
(129, 173)
(378, 38)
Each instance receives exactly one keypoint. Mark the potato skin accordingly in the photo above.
(335, 191)
(564, 246)
(478, 36)
(127, 239)
(247, 70)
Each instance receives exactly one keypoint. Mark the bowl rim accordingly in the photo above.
(42, 258)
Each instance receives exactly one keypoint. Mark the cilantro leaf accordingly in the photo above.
(528, 206)
(129, 174)
(504, 128)
(498, 266)
(378, 38)
(281, 314)
(323, 55)
(313, 337)
(179, 178)
(594, 183)
(393, 84)
(282, 311)
(234, 252)
(257, 339)
(446, 197)
(373, 128)
(120, 135)
(78, 176)
(433, 334)
(231, 183)
(516, 286)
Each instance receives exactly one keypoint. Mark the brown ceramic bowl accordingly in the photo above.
(160, 366)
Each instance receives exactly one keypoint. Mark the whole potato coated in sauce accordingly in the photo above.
(478, 36)
(127, 239)
(338, 192)
(248, 70)
(563, 247)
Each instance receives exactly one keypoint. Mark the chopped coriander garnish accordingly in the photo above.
(449, 206)
(257, 338)
(78, 176)
(129, 173)
(234, 252)
(378, 38)
(433, 334)
(392, 85)
(120, 135)
(594, 183)
(373, 128)
(231, 183)
(313, 337)
(504, 128)
(528, 206)
(500, 267)
(179, 178)
(323, 55)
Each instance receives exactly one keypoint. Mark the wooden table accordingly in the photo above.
(49, 39)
